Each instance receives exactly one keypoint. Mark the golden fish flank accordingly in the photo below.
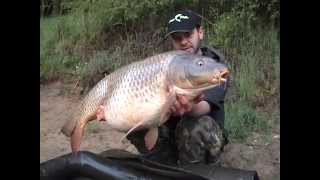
(131, 97)
(140, 95)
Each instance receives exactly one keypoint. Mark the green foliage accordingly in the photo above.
(55, 62)
(227, 29)
(253, 55)
(242, 120)
(255, 11)
(57, 66)
(80, 32)
(55, 7)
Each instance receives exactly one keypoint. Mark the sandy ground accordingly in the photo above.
(56, 107)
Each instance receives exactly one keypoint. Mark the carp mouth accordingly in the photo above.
(216, 80)
(221, 77)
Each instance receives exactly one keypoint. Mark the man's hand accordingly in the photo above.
(182, 105)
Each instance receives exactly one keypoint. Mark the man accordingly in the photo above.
(194, 133)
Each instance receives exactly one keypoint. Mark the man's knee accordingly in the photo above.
(198, 139)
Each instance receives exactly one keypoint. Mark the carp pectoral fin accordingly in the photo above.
(151, 138)
(76, 138)
(136, 127)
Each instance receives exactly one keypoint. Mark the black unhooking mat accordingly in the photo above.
(119, 164)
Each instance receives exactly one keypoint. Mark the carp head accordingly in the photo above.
(190, 72)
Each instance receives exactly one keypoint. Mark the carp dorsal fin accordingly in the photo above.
(151, 138)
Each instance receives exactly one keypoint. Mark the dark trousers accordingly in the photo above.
(184, 141)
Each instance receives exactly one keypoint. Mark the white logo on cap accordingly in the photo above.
(178, 18)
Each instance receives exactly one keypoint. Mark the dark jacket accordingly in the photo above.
(215, 96)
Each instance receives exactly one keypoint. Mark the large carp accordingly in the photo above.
(139, 95)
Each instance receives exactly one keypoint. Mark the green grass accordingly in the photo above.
(253, 57)
(242, 120)
(69, 43)
(65, 44)
(53, 62)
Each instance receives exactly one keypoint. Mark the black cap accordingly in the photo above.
(183, 21)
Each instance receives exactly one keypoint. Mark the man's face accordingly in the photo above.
(187, 41)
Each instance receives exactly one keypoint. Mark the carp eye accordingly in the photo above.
(200, 63)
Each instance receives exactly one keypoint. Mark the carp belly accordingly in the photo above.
(148, 112)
